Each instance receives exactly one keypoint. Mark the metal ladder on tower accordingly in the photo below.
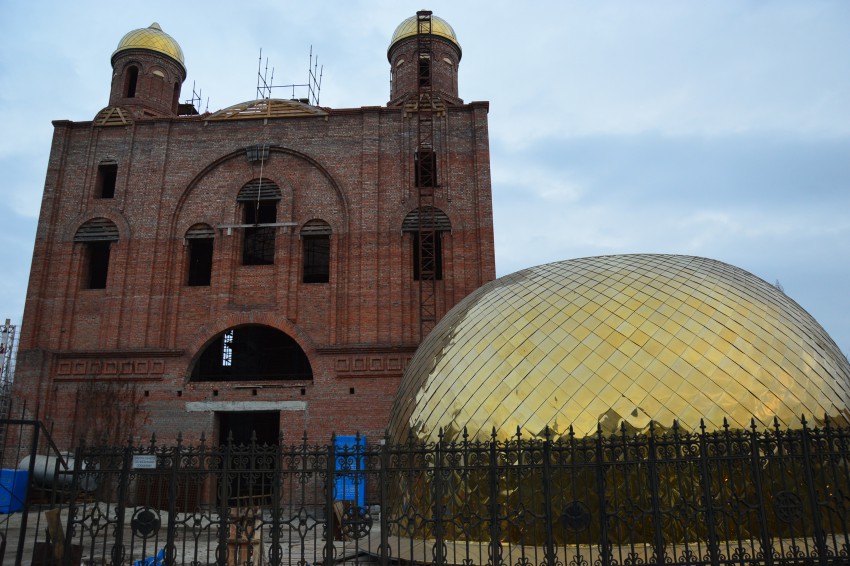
(425, 176)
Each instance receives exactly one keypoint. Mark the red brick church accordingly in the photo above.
(271, 266)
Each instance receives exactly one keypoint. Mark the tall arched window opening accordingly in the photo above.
(131, 81)
(259, 200)
(199, 246)
(316, 251)
(96, 236)
(426, 230)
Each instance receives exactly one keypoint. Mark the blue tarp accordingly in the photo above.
(13, 490)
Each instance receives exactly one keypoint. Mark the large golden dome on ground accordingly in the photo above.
(439, 27)
(621, 340)
(152, 38)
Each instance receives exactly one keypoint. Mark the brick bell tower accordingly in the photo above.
(147, 72)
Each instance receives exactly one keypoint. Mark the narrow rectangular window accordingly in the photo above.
(96, 265)
(107, 175)
(317, 253)
(424, 72)
(258, 245)
(425, 168)
(200, 262)
(431, 264)
(131, 80)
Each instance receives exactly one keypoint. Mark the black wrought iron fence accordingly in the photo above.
(672, 497)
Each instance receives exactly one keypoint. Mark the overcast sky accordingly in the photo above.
(718, 129)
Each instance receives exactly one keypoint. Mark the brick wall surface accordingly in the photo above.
(352, 168)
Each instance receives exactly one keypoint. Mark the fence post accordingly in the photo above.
(224, 495)
(495, 549)
(72, 502)
(330, 517)
(173, 479)
(755, 460)
(820, 541)
(383, 480)
(550, 557)
(654, 488)
(439, 550)
(30, 483)
(705, 480)
(276, 553)
(118, 549)
(605, 549)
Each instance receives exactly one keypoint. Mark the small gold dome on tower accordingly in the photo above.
(439, 27)
(152, 39)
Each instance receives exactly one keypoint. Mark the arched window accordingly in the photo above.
(259, 200)
(252, 353)
(130, 81)
(316, 251)
(96, 236)
(426, 227)
(199, 245)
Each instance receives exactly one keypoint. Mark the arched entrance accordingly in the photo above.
(252, 353)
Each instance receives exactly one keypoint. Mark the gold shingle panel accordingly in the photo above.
(568, 343)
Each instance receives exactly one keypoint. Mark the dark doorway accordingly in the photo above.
(251, 468)
(266, 425)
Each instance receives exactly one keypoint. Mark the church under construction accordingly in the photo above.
(270, 266)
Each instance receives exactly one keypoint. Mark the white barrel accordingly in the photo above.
(48, 471)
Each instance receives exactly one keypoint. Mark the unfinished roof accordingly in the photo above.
(267, 108)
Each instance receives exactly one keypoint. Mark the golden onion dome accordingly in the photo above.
(439, 28)
(621, 341)
(152, 39)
